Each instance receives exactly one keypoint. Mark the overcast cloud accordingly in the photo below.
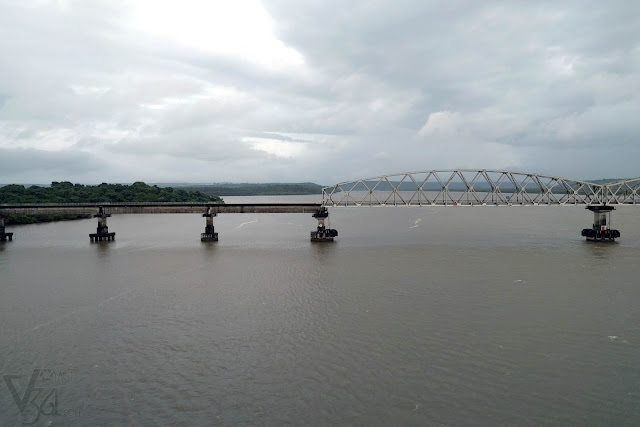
(322, 91)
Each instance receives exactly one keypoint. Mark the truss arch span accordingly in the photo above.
(478, 187)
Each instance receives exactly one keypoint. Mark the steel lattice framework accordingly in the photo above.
(470, 187)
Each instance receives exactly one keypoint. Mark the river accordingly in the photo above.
(413, 316)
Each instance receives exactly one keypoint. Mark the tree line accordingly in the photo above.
(67, 192)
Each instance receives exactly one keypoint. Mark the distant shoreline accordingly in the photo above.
(272, 189)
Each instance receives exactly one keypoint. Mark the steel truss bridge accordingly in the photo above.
(471, 187)
(453, 187)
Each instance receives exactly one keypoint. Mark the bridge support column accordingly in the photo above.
(322, 234)
(600, 231)
(4, 236)
(209, 234)
(102, 232)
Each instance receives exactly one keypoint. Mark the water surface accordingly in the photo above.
(453, 316)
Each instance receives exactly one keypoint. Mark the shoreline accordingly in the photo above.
(21, 219)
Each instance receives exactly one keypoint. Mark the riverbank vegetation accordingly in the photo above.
(34, 219)
(66, 192)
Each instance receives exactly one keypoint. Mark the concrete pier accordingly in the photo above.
(102, 233)
(209, 234)
(322, 234)
(601, 231)
(4, 236)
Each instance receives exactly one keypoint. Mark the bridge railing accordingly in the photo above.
(98, 204)
(467, 187)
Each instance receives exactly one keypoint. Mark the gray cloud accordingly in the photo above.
(39, 166)
(382, 87)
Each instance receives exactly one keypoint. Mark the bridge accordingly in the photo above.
(449, 187)
(102, 211)
(469, 187)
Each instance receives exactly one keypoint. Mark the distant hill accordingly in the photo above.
(247, 189)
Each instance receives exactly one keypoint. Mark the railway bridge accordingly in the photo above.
(448, 187)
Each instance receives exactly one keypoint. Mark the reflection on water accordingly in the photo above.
(103, 249)
(413, 316)
(601, 251)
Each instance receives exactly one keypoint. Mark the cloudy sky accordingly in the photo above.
(322, 90)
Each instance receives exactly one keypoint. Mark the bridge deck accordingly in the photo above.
(157, 208)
